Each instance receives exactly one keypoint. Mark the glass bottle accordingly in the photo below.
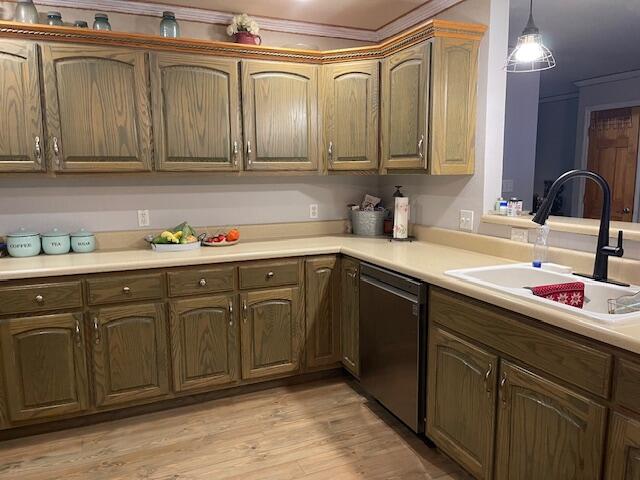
(25, 12)
(80, 24)
(101, 22)
(54, 19)
(541, 247)
(169, 27)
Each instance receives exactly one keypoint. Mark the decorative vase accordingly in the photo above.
(247, 38)
(169, 27)
(101, 22)
(55, 19)
(26, 12)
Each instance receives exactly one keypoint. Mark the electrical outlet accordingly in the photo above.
(520, 235)
(143, 218)
(507, 186)
(466, 220)
(313, 210)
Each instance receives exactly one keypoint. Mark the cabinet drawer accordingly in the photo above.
(40, 297)
(202, 280)
(554, 353)
(627, 385)
(124, 288)
(269, 274)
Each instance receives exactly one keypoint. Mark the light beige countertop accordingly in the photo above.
(423, 260)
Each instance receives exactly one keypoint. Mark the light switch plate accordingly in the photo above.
(520, 235)
(507, 186)
(466, 220)
(143, 218)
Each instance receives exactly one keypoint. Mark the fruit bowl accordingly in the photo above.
(222, 239)
(222, 243)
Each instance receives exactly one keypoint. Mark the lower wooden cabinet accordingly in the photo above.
(271, 332)
(204, 342)
(322, 298)
(623, 454)
(546, 430)
(44, 366)
(350, 314)
(129, 353)
(461, 404)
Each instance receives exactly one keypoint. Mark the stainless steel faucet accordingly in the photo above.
(603, 250)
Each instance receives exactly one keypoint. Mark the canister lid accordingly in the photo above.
(82, 233)
(21, 232)
(56, 232)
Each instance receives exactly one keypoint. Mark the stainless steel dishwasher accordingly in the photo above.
(393, 335)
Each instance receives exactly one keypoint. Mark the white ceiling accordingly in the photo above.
(589, 38)
(365, 14)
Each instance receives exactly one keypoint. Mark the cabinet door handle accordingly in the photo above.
(486, 378)
(38, 150)
(231, 313)
(77, 331)
(421, 147)
(96, 330)
(56, 150)
(330, 150)
(244, 311)
(503, 389)
(235, 153)
(249, 151)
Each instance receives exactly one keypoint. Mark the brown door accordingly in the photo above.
(21, 133)
(44, 365)
(129, 353)
(205, 344)
(280, 103)
(350, 315)
(349, 96)
(196, 112)
(613, 153)
(461, 403)
(623, 456)
(405, 100)
(98, 115)
(322, 288)
(546, 430)
(272, 332)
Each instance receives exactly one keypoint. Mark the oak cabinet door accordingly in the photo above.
(349, 96)
(350, 315)
(280, 103)
(98, 117)
(44, 366)
(129, 353)
(196, 112)
(322, 289)
(453, 106)
(21, 132)
(205, 343)
(405, 99)
(546, 430)
(461, 403)
(272, 332)
(623, 453)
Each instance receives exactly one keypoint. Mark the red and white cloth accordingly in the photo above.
(567, 293)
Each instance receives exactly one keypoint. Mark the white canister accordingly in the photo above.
(401, 218)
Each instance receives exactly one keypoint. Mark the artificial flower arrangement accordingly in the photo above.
(243, 23)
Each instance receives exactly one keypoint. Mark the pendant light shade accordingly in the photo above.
(530, 54)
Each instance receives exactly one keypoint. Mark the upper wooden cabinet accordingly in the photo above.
(44, 365)
(280, 105)
(322, 288)
(129, 353)
(196, 112)
(349, 96)
(545, 430)
(454, 71)
(405, 100)
(21, 133)
(98, 117)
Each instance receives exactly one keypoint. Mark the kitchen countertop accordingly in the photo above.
(426, 261)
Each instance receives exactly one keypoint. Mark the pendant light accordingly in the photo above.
(530, 54)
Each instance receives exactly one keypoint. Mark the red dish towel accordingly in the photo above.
(567, 293)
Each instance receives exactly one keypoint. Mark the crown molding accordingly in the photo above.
(614, 77)
(412, 18)
(559, 98)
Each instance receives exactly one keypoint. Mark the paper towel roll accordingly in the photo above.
(401, 218)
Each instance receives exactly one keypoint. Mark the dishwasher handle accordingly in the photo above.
(391, 289)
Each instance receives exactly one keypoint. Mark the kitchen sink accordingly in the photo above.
(513, 279)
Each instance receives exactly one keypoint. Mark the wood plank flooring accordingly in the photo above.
(324, 430)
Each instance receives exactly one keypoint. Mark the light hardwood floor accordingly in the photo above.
(313, 431)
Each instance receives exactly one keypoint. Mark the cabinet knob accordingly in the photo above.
(270, 275)
(126, 290)
(202, 282)
(626, 210)
(39, 299)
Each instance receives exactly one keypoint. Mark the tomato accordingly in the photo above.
(233, 235)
